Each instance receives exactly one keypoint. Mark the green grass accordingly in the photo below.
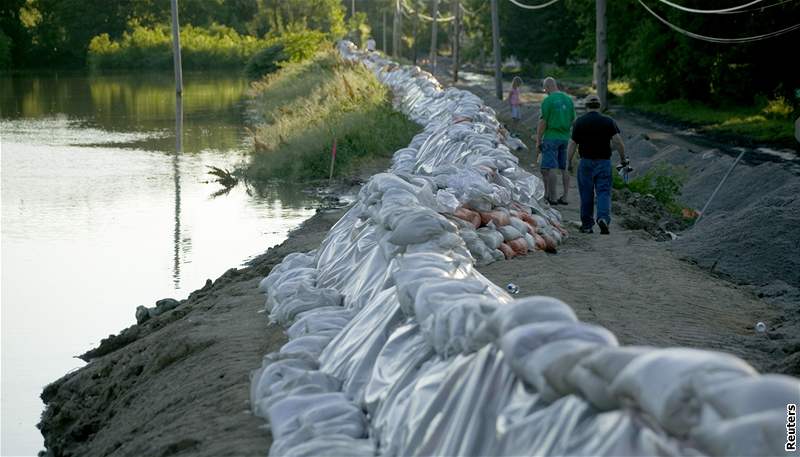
(771, 122)
(306, 105)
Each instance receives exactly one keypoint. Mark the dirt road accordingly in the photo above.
(706, 290)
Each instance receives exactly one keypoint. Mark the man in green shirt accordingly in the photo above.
(552, 134)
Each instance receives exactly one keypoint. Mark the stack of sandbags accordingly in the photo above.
(398, 346)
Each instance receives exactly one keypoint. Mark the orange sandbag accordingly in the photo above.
(507, 251)
(550, 244)
(520, 246)
(540, 242)
(468, 215)
(527, 218)
(498, 217)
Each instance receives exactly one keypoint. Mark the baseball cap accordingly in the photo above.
(592, 100)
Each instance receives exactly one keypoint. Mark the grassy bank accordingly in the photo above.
(306, 105)
(771, 121)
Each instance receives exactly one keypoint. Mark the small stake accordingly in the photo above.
(333, 158)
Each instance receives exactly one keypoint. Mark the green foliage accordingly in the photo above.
(5, 51)
(662, 182)
(289, 47)
(58, 32)
(265, 61)
(306, 105)
(359, 28)
(216, 46)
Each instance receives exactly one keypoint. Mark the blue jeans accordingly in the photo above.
(554, 154)
(594, 181)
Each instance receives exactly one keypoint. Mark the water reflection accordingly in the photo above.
(176, 269)
(135, 103)
(105, 206)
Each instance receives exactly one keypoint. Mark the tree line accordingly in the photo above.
(659, 62)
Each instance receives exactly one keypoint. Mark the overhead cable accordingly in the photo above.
(720, 11)
(533, 7)
(720, 40)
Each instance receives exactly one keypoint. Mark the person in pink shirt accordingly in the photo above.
(514, 98)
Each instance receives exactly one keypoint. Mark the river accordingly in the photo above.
(101, 213)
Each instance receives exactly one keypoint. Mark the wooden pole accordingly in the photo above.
(383, 30)
(434, 35)
(397, 27)
(352, 8)
(456, 37)
(414, 29)
(498, 75)
(601, 56)
(176, 49)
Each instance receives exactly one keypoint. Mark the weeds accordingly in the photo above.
(662, 182)
(306, 105)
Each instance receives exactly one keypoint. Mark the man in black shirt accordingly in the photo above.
(593, 134)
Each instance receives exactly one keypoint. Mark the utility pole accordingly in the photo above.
(414, 28)
(397, 29)
(498, 76)
(456, 37)
(601, 56)
(434, 35)
(383, 31)
(176, 49)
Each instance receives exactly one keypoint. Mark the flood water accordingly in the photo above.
(100, 214)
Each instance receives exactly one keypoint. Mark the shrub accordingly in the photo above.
(265, 61)
(151, 48)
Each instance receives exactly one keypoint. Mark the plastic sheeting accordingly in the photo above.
(398, 346)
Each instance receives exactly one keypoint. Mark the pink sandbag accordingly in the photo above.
(498, 217)
(468, 215)
(520, 246)
(507, 251)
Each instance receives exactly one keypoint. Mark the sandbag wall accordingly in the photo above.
(398, 346)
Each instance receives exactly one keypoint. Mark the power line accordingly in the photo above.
(721, 11)
(534, 7)
(760, 8)
(716, 39)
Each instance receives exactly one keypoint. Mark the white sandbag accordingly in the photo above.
(309, 323)
(522, 340)
(330, 446)
(308, 344)
(762, 434)
(546, 367)
(518, 224)
(523, 311)
(490, 236)
(748, 395)
(419, 225)
(592, 375)
(509, 232)
(305, 298)
(664, 383)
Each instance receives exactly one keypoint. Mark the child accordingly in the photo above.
(513, 98)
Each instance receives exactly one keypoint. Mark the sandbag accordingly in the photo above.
(468, 215)
(664, 383)
(508, 252)
(509, 233)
